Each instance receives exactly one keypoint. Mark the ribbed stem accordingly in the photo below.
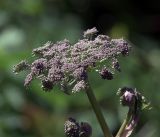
(97, 111)
(124, 124)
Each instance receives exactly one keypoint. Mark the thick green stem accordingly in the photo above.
(97, 111)
(124, 124)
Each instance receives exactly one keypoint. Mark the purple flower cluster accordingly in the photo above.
(67, 65)
(73, 129)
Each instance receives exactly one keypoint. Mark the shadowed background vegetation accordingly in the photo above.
(26, 24)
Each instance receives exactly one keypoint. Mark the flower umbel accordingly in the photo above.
(62, 62)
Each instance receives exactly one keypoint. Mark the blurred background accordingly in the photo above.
(27, 24)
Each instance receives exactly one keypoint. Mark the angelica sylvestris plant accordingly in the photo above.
(67, 66)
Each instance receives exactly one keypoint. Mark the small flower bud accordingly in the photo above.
(106, 74)
(38, 66)
(71, 128)
(28, 79)
(128, 99)
(85, 130)
(116, 65)
(80, 73)
(80, 85)
(47, 85)
(121, 91)
(125, 52)
(90, 32)
(23, 65)
(127, 96)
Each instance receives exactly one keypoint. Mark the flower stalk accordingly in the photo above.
(124, 124)
(97, 111)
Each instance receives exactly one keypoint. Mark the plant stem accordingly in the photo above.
(97, 111)
(124, 124)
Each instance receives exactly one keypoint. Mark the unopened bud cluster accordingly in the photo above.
(131, 98)
(136, 102)
(73, 129)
